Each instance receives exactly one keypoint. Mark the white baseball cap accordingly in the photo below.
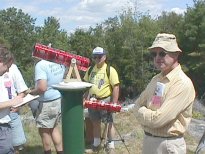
(99, 51)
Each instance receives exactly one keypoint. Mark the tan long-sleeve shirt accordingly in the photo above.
(170, 113)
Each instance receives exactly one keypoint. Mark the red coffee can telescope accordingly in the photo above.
(99, 105)
(59, 56)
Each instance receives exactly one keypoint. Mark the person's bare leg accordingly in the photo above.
(111, 131)
(97, 137)
(97, 129)
(57, 138)
(111, 135)
(46, 138)
(96, 132)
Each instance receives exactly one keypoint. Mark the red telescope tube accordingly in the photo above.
(59, 56)
(99, 105)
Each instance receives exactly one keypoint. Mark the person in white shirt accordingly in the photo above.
(6, 60)
(17, 86)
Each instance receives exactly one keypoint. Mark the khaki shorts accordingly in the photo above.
(48, 114)
(159, 145)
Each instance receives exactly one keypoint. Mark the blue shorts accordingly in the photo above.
(6, 139)
(103, 115)
(18, 136)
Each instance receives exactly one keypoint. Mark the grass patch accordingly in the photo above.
(197, 115)
(126, 124)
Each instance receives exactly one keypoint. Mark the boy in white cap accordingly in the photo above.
(105, 88)
(164, 108)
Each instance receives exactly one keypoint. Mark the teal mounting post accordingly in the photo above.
(72, 115)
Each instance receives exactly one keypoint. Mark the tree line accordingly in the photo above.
(126, 37)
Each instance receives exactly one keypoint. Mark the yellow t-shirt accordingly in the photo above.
(102, 83)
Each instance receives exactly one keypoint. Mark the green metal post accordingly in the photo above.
(72, 116)
(72, 122)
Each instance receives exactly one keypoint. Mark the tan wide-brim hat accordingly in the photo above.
(165, 41)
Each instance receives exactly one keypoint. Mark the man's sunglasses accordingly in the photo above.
(161, 54)
(97, 56)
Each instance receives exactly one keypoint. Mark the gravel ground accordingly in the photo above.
(197, 126)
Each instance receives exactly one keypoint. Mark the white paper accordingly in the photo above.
(27, 99)
(72, 85)
(160, 89)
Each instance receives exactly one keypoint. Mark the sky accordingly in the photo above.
(74, 14)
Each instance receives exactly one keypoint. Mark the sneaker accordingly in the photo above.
(20, 148)
(93, 149)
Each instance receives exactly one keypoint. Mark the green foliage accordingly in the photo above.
(5, 42)
(82, 42)
(169, 22)
(126, 37)
(197, 115)
(192, 34)
(192, 41)
(51, 33)
(18, 29)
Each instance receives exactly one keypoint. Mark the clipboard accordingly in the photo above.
(27, 99)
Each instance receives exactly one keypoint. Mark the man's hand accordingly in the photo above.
(16, 100)
(16, 109)
(27, 91)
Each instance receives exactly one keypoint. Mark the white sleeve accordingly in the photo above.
(17, 78)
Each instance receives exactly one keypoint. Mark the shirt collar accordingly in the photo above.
(172, 74)
(104, 66)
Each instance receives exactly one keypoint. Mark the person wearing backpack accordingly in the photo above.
(105, 88)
